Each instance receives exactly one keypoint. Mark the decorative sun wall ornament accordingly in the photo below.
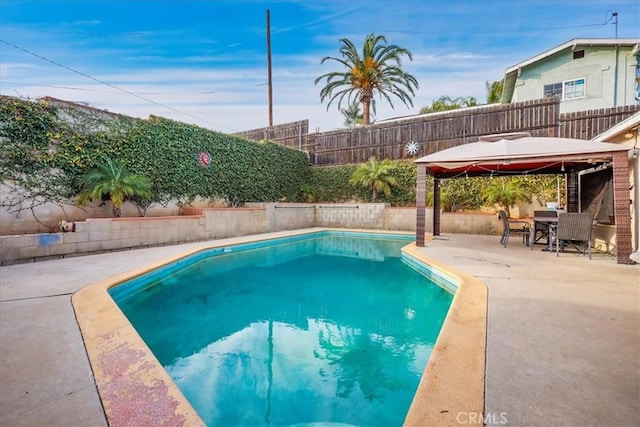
(412, 148)
(204, 158)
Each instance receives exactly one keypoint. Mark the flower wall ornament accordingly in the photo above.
(412, 148)
(204, 158)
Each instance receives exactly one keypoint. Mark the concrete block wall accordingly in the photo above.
(97, 235)
(361, 215)
(469, 223)
(290, 216)
(231, 222)
(403, 219)
(49, 215)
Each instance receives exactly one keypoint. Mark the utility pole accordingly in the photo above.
(269, 69)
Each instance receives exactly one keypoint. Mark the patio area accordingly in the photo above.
(563, 340)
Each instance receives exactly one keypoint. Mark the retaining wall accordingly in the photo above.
(98, 235)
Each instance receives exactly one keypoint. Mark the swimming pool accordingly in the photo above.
(273, 325)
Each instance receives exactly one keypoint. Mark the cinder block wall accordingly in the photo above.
(290, 216)
(98, 235)
(468, 223)
(221, 223)
(361, 215)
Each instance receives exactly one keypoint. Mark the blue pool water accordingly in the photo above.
(323, 328)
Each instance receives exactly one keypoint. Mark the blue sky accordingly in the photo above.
(204, 62)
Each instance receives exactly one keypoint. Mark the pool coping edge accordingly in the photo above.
(452, 387)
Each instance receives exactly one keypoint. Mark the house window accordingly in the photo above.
(578, 54)
(569, 89)
(573, 89)
(554, 89)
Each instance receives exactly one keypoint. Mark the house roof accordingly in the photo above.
(628, 126)
(511, 74)
(517, 154)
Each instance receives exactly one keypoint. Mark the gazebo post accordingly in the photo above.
(436, 207)
(621, 207)
(420, 204)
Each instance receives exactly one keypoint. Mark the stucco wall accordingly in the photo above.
(97, 235)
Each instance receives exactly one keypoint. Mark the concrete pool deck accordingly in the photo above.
(563, 340)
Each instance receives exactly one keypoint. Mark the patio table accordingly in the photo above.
(547, 222)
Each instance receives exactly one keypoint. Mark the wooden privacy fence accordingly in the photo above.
(433, 132)
(591, 123)
(438, 131)
(291, 134)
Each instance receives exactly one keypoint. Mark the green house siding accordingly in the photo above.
(608, 72)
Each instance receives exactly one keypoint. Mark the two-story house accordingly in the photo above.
(585, 74)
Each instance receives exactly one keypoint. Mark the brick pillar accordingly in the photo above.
(420, 204)
(621, 206)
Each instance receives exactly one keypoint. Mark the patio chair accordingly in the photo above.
(540, 230)
(574, 229)
(513, 227)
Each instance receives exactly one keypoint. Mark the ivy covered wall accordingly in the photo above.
(47, 148)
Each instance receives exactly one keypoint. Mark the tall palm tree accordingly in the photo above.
(375, 175)
(112, 181)
(377, 70)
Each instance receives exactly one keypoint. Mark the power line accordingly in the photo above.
(108, 84)
(607, 19)
(73, 88)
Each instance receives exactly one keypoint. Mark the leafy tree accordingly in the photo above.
(494, 92)
(445, 103)
(544, 188)
(375, 175)
(378, 70)
(112, 181)
(458, 194)
(504, 192)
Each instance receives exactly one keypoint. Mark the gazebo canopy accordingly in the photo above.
(518, 153)
(522, 154)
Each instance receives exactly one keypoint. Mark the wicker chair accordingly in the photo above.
(574, 229)
(513, 227)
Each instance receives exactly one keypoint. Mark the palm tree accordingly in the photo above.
(445, 103)
(376, 71)
(352, 115)
(504, 193)
(375, 175)
(112, 181)
(494, 92)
